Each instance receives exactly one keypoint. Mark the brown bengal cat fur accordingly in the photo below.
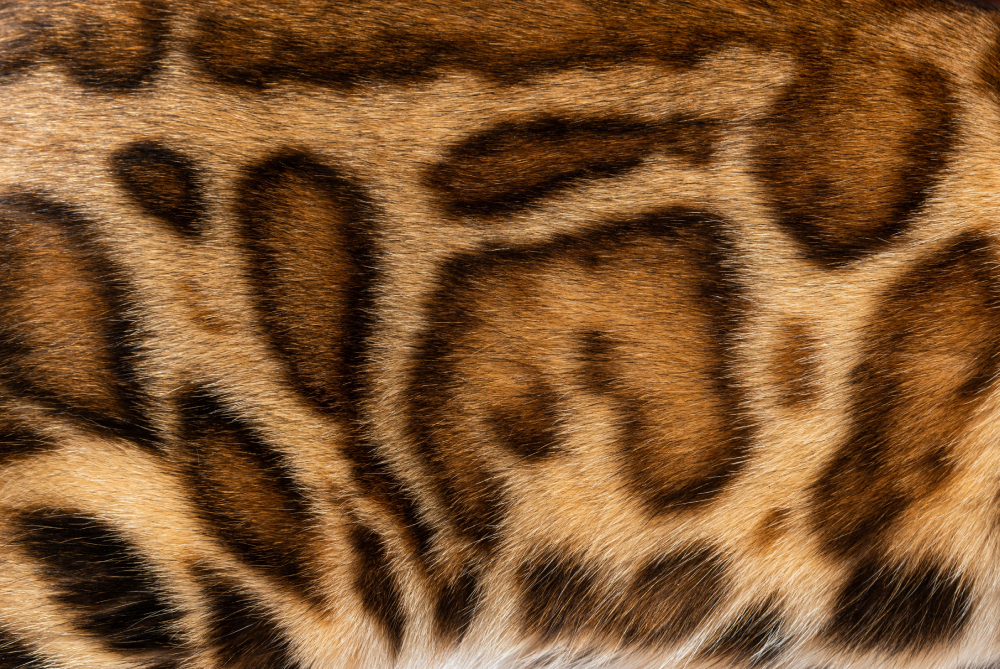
(468, 333)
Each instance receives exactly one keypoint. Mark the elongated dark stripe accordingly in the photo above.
(416, 41)
(322, 334)
(101, 577)
(377, 585)
(514, 164)
(242, 633)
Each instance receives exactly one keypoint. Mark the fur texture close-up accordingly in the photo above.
(480, 334)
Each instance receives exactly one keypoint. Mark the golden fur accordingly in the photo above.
(460, 333)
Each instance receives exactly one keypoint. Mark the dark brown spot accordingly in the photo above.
(67, 327)
(165, 182)
(560, 595)
(854, 149)
(200, 307)
(111, 46)
(527, 420)
(501, 317)
(895, 608)
(930, 354)
(456, 608)
(773, 527)
(18, 441)
(246, 492)
(242, 633)
(16, 654)
(672, 596)
(22, 38)
(308, 231)
(989, 70)
(754, 638)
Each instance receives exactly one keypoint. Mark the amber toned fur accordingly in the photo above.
(468, 333)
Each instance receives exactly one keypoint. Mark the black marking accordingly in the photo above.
(293, 196)
(373, 476)
(561, 596)
(471, 485)
(513, 165)
(242, 633)
(102, 578)
(911, 405)
(457, 603)
(123, 406)
(114, 52)
(672, 596)
(325, 348)
(14, 654)
(895, 608)
(756, 637)
(376, 584)
(18, 441)
(848, 172)
(410, 43)
(165, 182)
(246, 491)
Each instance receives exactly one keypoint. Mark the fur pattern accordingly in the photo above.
(462, 333)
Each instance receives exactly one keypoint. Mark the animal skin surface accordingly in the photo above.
(471, 334)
